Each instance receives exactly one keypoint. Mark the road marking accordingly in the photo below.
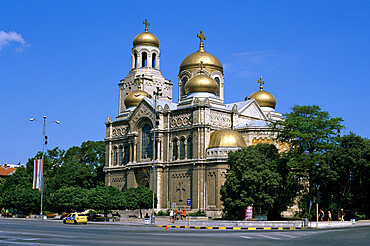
(275, 238)
(246, 237)
(280, 234)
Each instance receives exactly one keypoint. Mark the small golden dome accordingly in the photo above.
(201, 83)
(226, 138)
(146, 38)
(193, 61)
(263, 98)
(135, 97)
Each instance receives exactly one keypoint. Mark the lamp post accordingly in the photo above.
(44, 142)
(156, 93)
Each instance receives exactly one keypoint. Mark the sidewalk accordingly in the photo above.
(205, 223)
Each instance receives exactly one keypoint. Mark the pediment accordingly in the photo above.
(252, 109)
(144, 109)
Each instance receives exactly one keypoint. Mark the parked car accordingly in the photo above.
(75, 218)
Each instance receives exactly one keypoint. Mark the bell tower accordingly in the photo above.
(145, 71)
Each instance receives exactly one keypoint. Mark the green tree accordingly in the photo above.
(105, 198)
(139, 198)
(258, 176)
(67, 199)
(310, 133)
(338, 188)
(17, 192)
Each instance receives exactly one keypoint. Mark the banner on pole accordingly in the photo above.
(37, 174)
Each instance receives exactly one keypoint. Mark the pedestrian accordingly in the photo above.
(329, 215)
(184, 214)
(171, 216)
(322, 215)
(342, 214)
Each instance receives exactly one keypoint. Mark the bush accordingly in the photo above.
(163, 213)
(198, 213)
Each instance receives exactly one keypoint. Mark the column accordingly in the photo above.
(186, 149)
(135, 149)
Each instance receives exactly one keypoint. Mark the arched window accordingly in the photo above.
(144, 58)
(146, 143)
(183, 82)
(175, 151)
(120, 156)
(190, 148)
(114, 156)
(126, 158)
(135, 60)
(182, 149)
(153, 60)
(217, 79)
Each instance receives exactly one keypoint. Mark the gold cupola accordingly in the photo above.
(263, 98)
(226, 138)
(135, 97)
(193, 60)
(201, 83)
(146, 38)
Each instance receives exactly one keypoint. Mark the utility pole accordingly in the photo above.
(156, 93)
(44, 143)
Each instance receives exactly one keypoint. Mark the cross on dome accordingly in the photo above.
(201, 66)
(201, 37)
(261, 83)
(146, 23)
(140, 82)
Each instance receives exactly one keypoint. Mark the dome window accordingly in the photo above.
(153, 60)
(144, 59)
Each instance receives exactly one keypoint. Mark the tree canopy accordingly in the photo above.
(257, 176)
(311, 133)
(139, 198)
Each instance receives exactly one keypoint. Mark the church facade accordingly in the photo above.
(188, 141)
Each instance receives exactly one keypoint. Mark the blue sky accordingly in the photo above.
(64, 59)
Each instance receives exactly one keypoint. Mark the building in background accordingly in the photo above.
(8, 169)
(193, 135)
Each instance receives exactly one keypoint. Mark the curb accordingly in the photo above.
(233, 228)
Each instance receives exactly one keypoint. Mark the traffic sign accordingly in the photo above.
(188, 202)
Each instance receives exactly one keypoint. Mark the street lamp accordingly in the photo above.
(156, 93)
(44, 142)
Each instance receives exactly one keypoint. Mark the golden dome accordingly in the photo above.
(201, 83)
(135, 97)
(263, 98)
(146, 38)
(226, 138)
(193, 61)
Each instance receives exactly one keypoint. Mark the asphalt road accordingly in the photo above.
(14, 232)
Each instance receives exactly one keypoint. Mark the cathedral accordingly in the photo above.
(186, 141)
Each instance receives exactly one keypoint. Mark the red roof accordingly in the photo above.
(6, 171)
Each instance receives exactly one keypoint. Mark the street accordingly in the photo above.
(21, 232)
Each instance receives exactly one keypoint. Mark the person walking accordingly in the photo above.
(171, 216)
(322, 215)
(342, 214)
(329, 215)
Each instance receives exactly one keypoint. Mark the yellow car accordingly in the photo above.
(75, 218)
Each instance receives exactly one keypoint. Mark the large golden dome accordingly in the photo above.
(226, 138)
(135, 97)
(146, 38)
(263, 98)
(193, 61)
(201, 83)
